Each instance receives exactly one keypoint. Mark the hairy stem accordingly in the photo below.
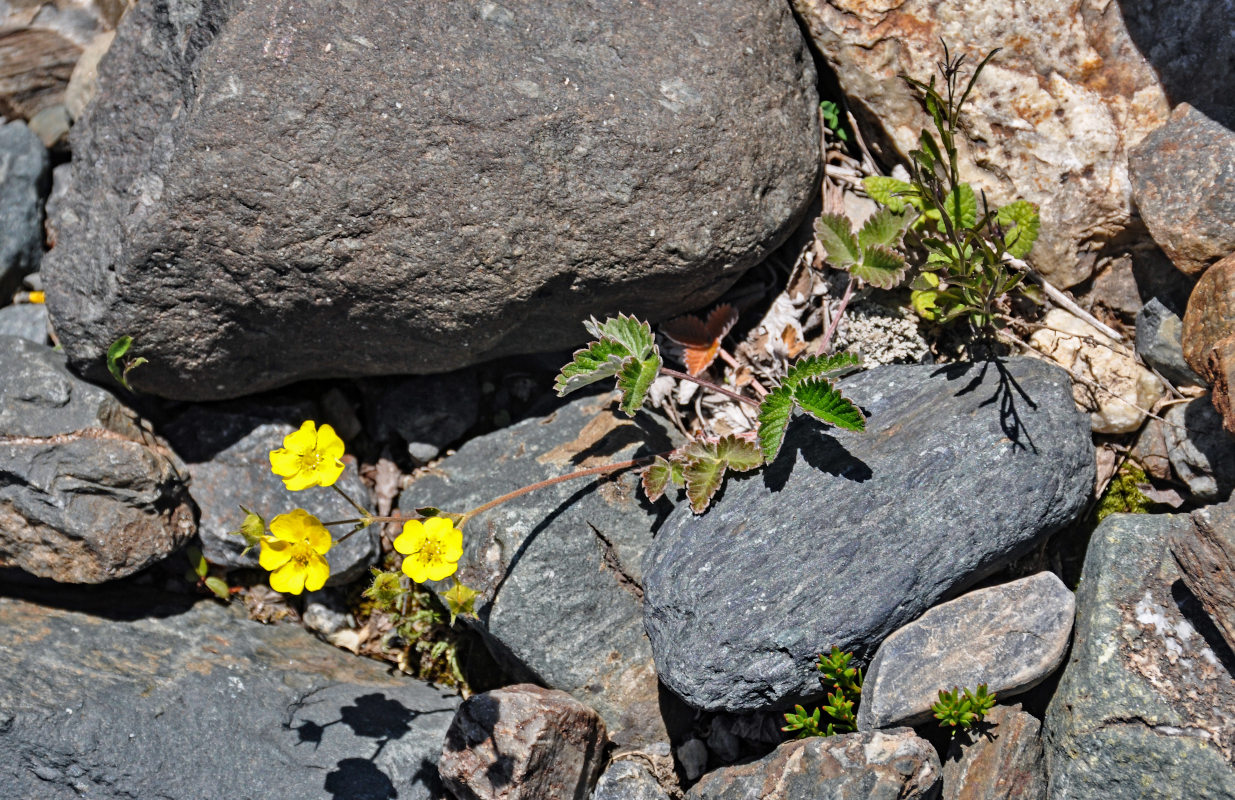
(709, 386)
(364, 512)
(581, 473)
(840, 312)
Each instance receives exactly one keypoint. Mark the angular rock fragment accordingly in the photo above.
(1009, 637)
(88, 493)
(1202, 453)
(25, 180)
(1205, 555)
(848, 536)
(1159, 343)
(427, 412)
(26, 321)
(1001, 759)
(856, 766)
(1144, 705)
(1209, 334)
(628, 780)
(523, 742)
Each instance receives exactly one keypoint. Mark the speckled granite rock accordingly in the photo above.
(847, 537)
(1146, 706)
(191, 703)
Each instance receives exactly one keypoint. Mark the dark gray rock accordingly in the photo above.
(25, 180)
(87, 493)
(523, 742)
(1009, 637)
(1001, 759)
(1183, 181)
(561, 564)
(1205, 555)
(628, 780)
(846, 537)
(26, 321)
(400, 189)
(857, 766)
(1201, 452)
(188, 704)
(1144, 705)
(239, 474)
(1159, 343)
(427, 412)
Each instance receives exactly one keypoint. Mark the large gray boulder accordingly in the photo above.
(87, 492)
(263, 194)
(1144, 706)
(846, 537)
(561, 566)
(194, 703)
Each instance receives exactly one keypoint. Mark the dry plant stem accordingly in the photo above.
(868, 161)
(733, 362)
(1061, 298)
(840, 312)
(364, 512)
(581, 473)
(709, 386)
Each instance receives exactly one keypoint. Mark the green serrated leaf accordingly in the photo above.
(741, 454)
(889, 192)
(961, 206)
(816, 366)
(704, 471)
(836, 234)
(823, 401)
(774, 412)
(630, 332)
(599, 360)
(656, 477)
(881, 267)
(634, 379)
(1021, 223)
(219, 587)
(884, 228)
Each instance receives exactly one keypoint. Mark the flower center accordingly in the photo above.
(302, 553)
(311, 460)
(431, 551)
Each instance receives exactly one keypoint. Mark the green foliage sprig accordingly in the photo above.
(846, 683)
(962, 709)
(118, 365)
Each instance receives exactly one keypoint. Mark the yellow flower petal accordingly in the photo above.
(317, 571)
(441, 569)
(318, 537)
(301, 480)
(303, 440)
(274, 553)
(412, 538)
(452, 548)
(288, 578)
(415, 568)
(284, 463)
(437, 526)
(289, 527)
(328, 443)
(329, 472)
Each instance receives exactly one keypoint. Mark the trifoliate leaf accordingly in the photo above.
(704, 471)
(1020, 221)
(889, 192)
(599, 360)
(823, 401)
(774, 412)
(884, 228)
(631, 333)
(634, 378)
(816, 366)
(739, 453)
(836, 234)
(961, 206)
(658, 475)
(881, 267)
(219, 587)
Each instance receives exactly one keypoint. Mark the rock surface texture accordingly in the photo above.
(628, 780)
(87, 493)
(1183, 181)
(1009, 637)
(168, 702)
(1001, 760)
(846, 537)
(25, 179)
(523, 742)
(1146, 706)
(1159, 343)
(1209, 334)
(1205, 554)
(26, 321)
(1053, 116)
(856, 766)
(433, 185)
(1201, 452)
(561, 564)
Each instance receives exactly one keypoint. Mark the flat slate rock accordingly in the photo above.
(1144, 706)
(1159, 343)
(87, 492)
(270, 192)
(185, 704)
(846, 537)
(1000, 759)
(1009, 637)
(561, 564)
(858, 766)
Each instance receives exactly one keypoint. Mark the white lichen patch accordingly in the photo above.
(881, 335)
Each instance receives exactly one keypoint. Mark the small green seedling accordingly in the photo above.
(846, 683)
(962, 709)
(199, 574)
(118, 365)
(830, 111)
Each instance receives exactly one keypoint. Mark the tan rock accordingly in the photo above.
(84, 82)
(1209, 334)
(1078, 346)
(1050, 121)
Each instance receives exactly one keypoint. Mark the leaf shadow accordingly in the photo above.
(819, 449)
(1006, 391)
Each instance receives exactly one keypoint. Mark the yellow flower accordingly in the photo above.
(293, 552)
(38, 297)
(308, 457)
(432, 549)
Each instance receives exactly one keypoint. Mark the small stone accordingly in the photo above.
(693, 757)
(1209, 334)
(1205, 555)
(1115, 289)
(52, 125)
(523, 742)
(325, 614)
(859, 766)
(1150, 450)
(89, 494)
(1127, 387)
(1183, 182)
(628, 780)
(428, 412)
(1202, 453)
(1002, 759)
(1144, 705)
(26, 321)
(723, 741)
(1009, 637)
(1159, 343)
(24, 181)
